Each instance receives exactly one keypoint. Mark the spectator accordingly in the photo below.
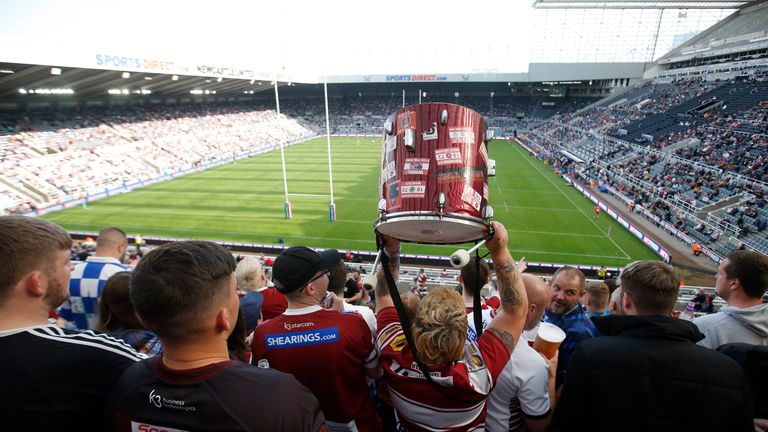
(336, 284)
(422, 282)
(53, 379)
(237, 342)
(741, 280)
(614, 305)
(464, 372)
(649, 359)
(699, 298)
(471, 281)
(708, 306)
(353, 289)
(339, 345)
(566, 312)
(118, 318)
(250, 278)
(524, 397)
(186, 293)
(88, 279)
(754, 360)
(596, 296)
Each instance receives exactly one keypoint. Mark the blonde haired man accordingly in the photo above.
(596, 298)
(463, 372)
(250, 277)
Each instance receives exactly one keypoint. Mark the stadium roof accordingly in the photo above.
(641, 4)
(92, 82)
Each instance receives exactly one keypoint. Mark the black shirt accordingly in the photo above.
(351, 288)
(56, 379)
(225, 396)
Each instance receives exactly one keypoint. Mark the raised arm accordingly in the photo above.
(509, 321)
(392, 249)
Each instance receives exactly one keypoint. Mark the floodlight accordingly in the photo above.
(55, 71)
(148, 78)
(219, 79)
(125, 91)
(6, 71)
(175, 78)
(126, 74)
(22, 91)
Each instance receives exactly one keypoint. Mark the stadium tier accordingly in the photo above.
(688, 151)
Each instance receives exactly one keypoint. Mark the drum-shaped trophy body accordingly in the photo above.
(434, 175)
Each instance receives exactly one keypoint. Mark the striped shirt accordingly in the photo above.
(56, 379)
(460, 405)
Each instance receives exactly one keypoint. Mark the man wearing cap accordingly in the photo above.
(328, 351)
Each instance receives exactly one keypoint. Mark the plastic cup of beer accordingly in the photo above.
(548, 339)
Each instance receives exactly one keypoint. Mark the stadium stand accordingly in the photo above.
(59, 158)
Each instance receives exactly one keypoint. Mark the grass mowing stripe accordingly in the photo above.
(569, 199)
(243, 201)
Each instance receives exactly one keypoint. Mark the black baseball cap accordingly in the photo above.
(297, 265)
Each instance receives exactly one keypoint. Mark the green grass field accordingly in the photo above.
(547, 220)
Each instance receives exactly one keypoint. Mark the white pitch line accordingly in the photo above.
(556, 233)
(549, 209)
(526, 190)
(576, 205)
(566, 253)
(506, 207)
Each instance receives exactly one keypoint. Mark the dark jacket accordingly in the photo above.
(648, 374)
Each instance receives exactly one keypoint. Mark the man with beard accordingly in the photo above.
(566, 312)
(53, 379)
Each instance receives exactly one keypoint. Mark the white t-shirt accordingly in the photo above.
(488, 314)
(521, 390)
(367, 315)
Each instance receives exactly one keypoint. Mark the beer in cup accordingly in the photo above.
(548, 339)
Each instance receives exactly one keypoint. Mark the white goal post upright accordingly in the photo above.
(332, 207)
(288, 212)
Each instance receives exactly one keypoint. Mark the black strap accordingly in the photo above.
(476, 308)
(405, 322)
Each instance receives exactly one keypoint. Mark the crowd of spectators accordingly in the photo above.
(87, 154)
(183, 340)
(719, 152)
